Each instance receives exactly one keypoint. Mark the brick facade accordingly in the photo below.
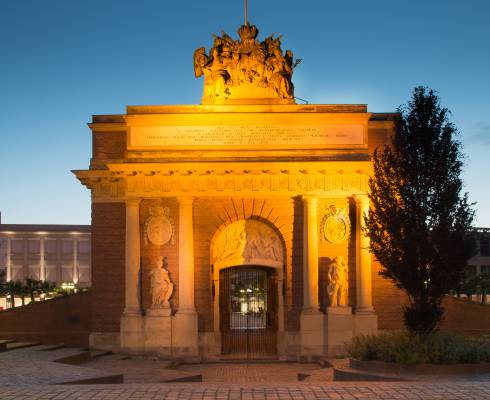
(108, 249)
(62, 320)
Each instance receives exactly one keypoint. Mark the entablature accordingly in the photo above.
(147, 180)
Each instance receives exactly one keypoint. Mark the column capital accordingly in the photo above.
(361, 198)
(307, 199)
(186, 199)
(133, 202)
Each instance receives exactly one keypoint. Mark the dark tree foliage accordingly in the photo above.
(420, 219)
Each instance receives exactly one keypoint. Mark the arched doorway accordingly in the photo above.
(248, 259)
(248, 312)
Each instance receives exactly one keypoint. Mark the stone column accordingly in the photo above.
(365, 318)
(186, 256)
(9, 259)
(184, 326)
(310, 255)
(132, 329)
(363, 257)
(75, 261)
(312, 321)
(42, 262)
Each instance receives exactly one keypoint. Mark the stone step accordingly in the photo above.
(20, 345)
(102, 380)
(53, 347)
(349, 374)
(82, 356)
(94, 354)
(4, 343)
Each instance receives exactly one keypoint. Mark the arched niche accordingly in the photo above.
(244, 243)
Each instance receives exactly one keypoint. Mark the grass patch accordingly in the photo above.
(435, 348)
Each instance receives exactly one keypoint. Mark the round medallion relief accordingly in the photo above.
(335, 228)
(159, 230)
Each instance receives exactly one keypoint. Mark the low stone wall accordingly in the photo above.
(60, 320)
(464, 316)
(382, 367)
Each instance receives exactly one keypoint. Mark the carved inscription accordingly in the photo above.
(279, 136)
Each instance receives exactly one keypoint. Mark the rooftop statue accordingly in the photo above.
(237, 70)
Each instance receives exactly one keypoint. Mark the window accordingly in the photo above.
(50, 246)
(83, 246)
(67, 246)
(34, 246)
(484, 269)
(484, 246)
(17, 246)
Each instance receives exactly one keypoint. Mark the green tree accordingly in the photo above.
(32, 287)
(12, 289)
(420, 220)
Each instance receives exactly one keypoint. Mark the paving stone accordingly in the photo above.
(27, 374)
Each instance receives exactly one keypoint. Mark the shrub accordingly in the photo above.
(433, 348)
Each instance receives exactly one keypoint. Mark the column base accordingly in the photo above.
(365, 322)
(132, 333)
(185, 340)
(339, 329)
(158, 332)
(313, 342)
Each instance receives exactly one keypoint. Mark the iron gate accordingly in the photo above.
(248, 312)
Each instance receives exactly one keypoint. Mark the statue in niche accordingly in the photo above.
(161, 287)
(338, 284)
(233, 63)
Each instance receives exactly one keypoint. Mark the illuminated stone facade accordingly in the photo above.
(257, 183)
(54, 253)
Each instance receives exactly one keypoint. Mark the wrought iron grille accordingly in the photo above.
(248, 312)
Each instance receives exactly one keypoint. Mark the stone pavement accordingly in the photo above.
(31, 374)
(202, 391)
(258, 372)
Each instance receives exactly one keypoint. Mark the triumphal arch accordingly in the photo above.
(233, 228)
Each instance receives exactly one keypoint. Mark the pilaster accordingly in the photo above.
(184, 327)
(132, 322)
(312, 321)
(365, 318)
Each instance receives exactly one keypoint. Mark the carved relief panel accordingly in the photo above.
(248, 242)
(335, 224)
(158, 228)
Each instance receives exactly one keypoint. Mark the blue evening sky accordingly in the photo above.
(63, 60)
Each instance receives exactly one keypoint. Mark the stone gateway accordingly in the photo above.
(256, 203)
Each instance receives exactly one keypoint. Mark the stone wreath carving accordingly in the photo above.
(159, 227)
(336, 225)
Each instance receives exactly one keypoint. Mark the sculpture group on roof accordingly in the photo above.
(233, 63)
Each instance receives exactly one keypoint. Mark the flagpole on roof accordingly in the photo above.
(246, 12)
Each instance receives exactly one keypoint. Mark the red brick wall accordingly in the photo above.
(61, 320)
(388, 301)
(108, 254)
(107, 146)
(465, 316)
